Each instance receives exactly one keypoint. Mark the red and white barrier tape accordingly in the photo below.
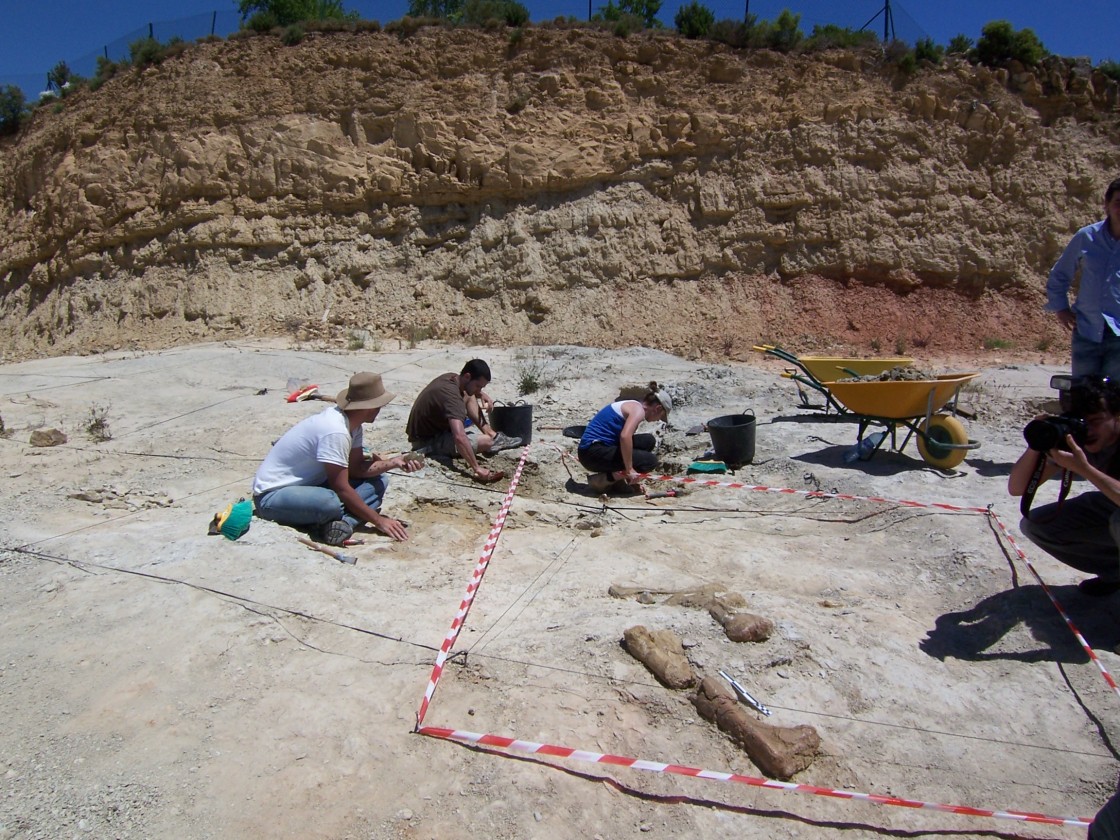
(811, 494)
(472, 589)
(1057, 605)
(503, 743)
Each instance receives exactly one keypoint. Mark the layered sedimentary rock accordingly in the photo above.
(561, 185)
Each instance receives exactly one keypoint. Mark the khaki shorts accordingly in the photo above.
(444, 443)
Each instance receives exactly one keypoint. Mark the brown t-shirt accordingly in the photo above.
(439, 402)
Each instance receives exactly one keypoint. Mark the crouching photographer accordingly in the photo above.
(1083, 531)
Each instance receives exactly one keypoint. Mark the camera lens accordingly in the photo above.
(1042, 434)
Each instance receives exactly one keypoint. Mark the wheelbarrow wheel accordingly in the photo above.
(938, 430)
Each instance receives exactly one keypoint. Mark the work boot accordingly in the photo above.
(504, 441)
(334, 533)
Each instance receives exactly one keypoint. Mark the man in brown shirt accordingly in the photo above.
(437, 424)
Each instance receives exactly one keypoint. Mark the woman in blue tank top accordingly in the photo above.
(611, 450)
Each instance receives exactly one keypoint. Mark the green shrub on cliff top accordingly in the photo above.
(12, 108)
(831, 36)
(287, 12)
(694, 20)
(644, 10)
(447, 9)
(999, 43)
(486, 12)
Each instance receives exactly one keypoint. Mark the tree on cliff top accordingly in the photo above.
(287, 12)
(999, 43)
(12, 108)
(694, 20)
(644, 10)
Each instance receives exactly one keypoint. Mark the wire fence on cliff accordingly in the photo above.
(855, 14)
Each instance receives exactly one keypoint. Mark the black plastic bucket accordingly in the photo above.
(733, 438)
(514, 420)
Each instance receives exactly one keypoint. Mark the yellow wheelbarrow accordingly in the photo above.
(811, 373)
(916, 405)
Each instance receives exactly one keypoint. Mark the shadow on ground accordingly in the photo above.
(976, 634)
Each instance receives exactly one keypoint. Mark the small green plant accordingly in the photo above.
(507, 12)
(831, 36)
(734, 33)
(531, 375)
(1044, 344)
(876, 345)
(1110, 69)
(293, 325)
(959, 45)
(58, 77)
(517, 102)
(292, 35)
(907, 63)
(417, 334)
(5, 432)
(997, 344)
(784, 33)
(145, 52)
(262, 22)
(97, 423)
(900, 346)
(356, 340)
(926, 50)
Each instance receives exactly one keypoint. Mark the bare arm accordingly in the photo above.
(1075, 461)
(464, 448)
(1024, 468)
(338, 479)
(363, 467)
(634, 414)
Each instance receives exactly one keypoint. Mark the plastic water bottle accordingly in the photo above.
(864, 449)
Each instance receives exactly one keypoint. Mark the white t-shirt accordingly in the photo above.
(298, 457)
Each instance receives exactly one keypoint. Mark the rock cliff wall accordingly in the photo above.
(561, 186)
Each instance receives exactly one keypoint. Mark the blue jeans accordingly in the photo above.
(1093, 359)
(303, 505)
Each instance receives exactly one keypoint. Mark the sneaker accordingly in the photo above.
(599, 482)
(1098, 587)
(334, 533)
(504, 441)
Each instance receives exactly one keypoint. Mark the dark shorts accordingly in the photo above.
(603, 457)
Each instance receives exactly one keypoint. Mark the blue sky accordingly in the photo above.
(37, 35)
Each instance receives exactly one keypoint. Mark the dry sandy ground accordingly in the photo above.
(159, 682)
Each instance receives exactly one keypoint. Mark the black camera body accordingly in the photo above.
(1046, 433)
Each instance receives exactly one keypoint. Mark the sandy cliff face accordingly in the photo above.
(569, 186)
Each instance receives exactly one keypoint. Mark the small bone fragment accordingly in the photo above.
(742, 626)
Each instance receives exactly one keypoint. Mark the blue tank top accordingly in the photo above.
(606, 426)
